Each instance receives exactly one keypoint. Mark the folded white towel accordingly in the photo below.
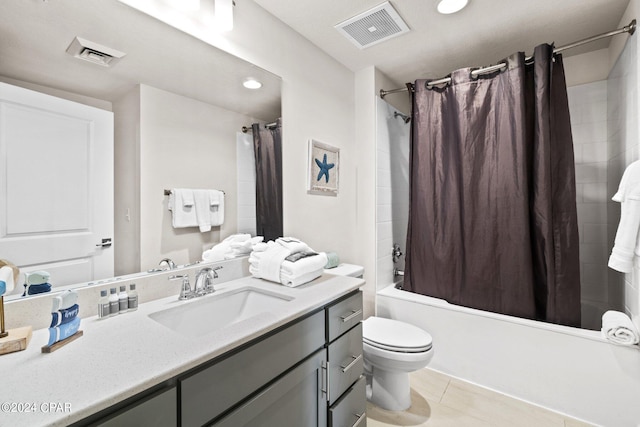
(227, 250)
(304, 265)
(626, 248)
(203, 209)
(7, 276)
(181, 207)
(294, 281)
(216, 207)
(618, 328)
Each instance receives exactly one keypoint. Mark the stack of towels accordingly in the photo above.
(196, 208)
(234, 246)
(286, 260)
(64, 317)
(618, 328)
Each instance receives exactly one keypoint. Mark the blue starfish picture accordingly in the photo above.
(324, 168)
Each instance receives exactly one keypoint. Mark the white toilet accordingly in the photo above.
(392, 349)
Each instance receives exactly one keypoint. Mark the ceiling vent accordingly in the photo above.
(373, 26)
(94, 52)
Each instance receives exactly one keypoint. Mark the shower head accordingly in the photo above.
(404, 117)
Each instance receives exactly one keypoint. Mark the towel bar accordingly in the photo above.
(168, 192)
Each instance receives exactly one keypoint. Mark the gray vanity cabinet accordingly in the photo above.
(293, 400)
(307, 373)
(347, 398)
(158, 410)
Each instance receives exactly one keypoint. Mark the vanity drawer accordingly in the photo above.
(344, 315)
(350, 410)
(208, 393)
(346, 362)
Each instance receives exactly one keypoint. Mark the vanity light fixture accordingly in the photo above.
(447, 7)
(224, 15)
(251, 83)
(185, 5)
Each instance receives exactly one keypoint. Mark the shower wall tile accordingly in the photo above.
(623, 132)
(588, 110)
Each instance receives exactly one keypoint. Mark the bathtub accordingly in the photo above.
(572, 371)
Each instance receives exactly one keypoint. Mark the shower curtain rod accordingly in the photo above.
(631, 28)
(246, 129)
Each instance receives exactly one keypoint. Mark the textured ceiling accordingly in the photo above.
(35, 34)
(481, 34)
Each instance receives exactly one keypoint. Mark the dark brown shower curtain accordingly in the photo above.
(267, 144)
(492, 217)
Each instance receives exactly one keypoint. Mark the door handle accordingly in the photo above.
(105, 243)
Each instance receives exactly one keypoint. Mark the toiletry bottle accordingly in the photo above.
(114, 303)
(104, 310)
(123, 299)
(133, 297)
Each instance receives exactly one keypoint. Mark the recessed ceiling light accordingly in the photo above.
(252, 84)
(451, 6)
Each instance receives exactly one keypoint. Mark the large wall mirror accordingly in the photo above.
(178, 106)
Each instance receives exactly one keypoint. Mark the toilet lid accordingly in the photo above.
(393, 335)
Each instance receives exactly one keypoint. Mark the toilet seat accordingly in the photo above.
(395, 336)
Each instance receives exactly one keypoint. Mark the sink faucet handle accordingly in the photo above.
(185, 289)
(215, 272)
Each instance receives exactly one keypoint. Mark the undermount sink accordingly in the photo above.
(216, 311)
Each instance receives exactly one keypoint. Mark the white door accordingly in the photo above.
(56, 186)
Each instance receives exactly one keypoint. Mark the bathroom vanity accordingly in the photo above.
(299, 364)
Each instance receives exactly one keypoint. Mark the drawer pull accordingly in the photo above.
(325, 377)
(355, 360)
(360, 418)
(354, 313)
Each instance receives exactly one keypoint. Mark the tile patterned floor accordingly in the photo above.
(441, 401)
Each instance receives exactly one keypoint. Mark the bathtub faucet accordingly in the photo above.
(397, 272)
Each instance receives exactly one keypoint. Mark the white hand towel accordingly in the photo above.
(619, 329)
(202, 207)
(216, 207)
(626, 246)
(183, 214)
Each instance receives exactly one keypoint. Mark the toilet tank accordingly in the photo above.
(350, 270)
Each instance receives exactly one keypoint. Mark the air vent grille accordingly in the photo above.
(373, 26)
(94, 52)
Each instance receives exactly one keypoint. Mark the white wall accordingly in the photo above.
(624, 148)
(392, 190)
(246, 183)
(169, 141)
(588, 110)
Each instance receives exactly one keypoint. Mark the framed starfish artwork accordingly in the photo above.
(324, 164)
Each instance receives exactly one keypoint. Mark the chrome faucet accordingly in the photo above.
(168, 262)
(397, 272)
(207, 283)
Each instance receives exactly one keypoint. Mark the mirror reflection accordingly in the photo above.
(166, 115)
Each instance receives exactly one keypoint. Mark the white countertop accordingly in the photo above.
(120, 356)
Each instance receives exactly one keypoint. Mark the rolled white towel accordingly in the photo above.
(293, 245)
(618, 328)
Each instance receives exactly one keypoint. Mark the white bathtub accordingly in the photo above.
(569, 370)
